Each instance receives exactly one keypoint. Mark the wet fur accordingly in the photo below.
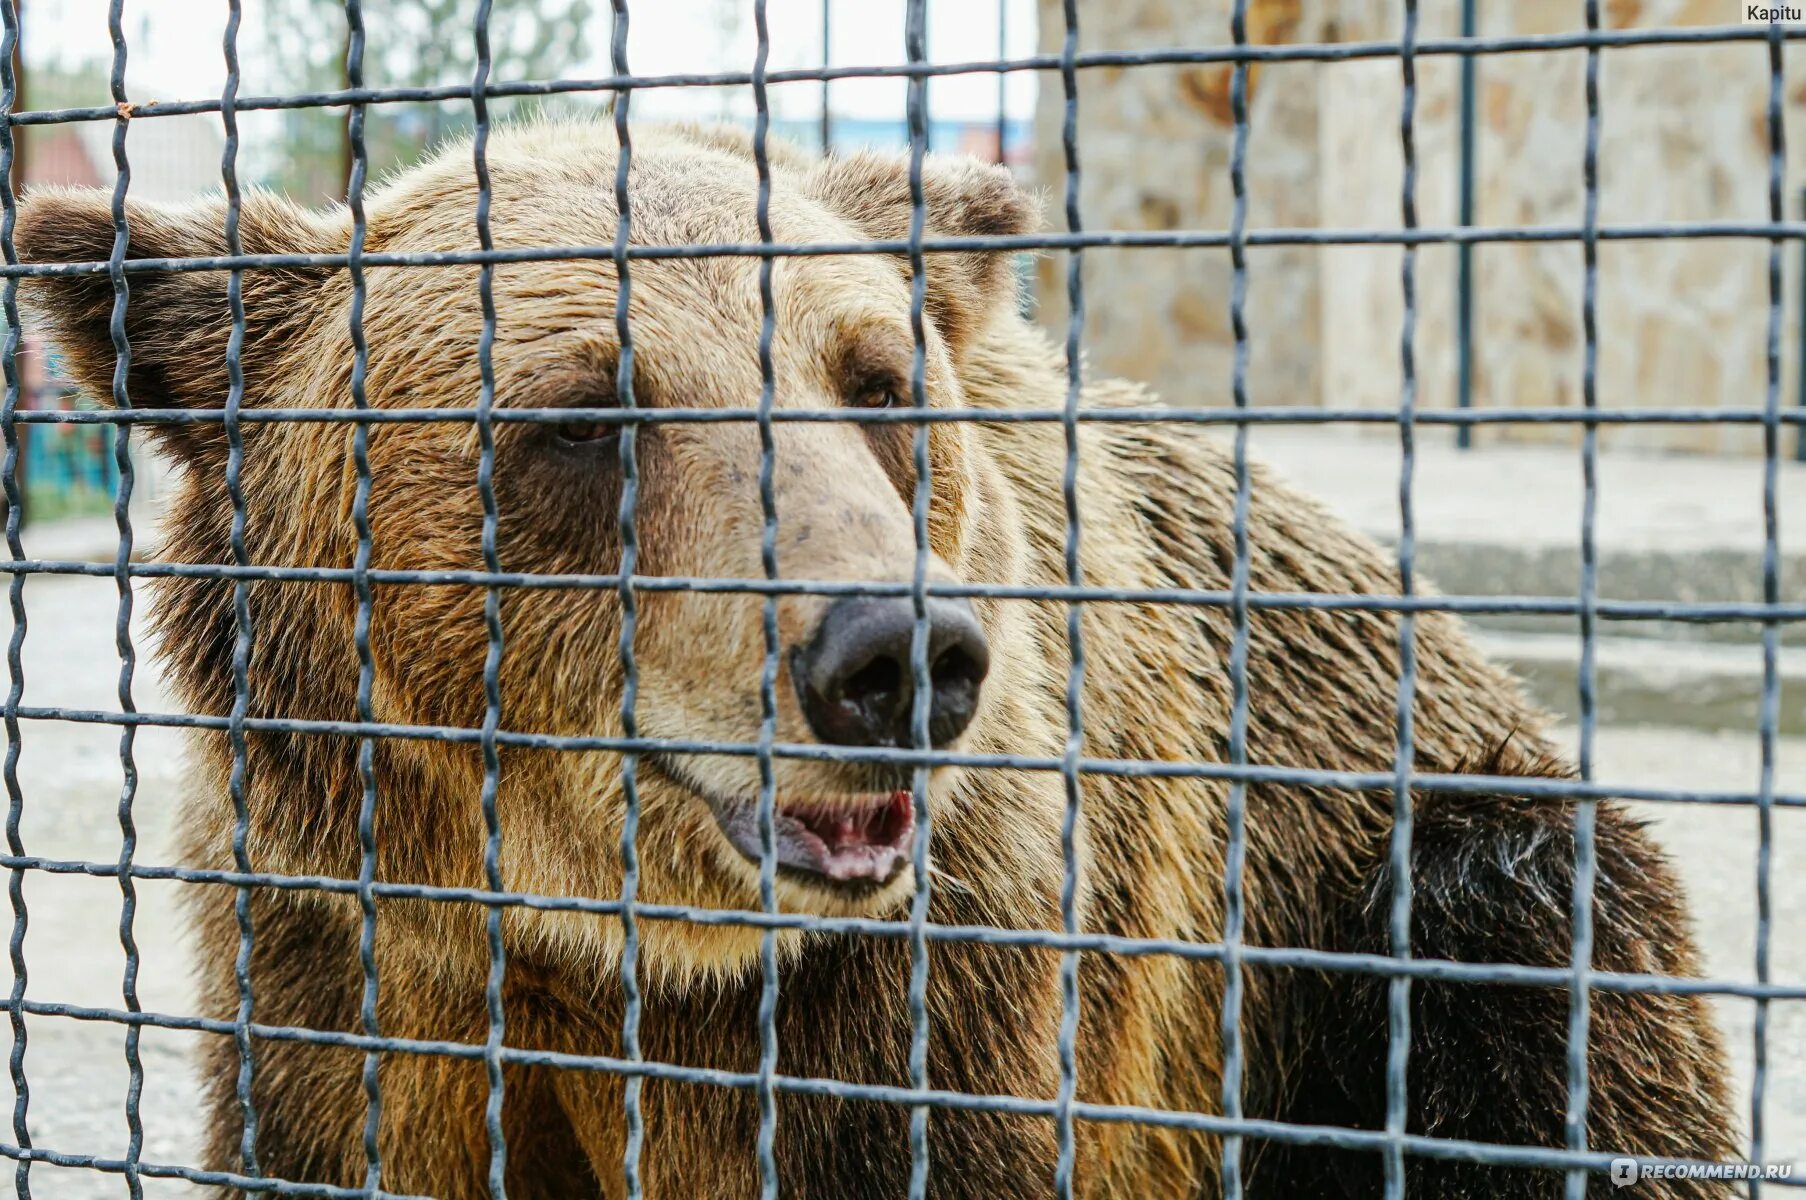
(1491, 872)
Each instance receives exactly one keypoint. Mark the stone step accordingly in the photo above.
(1651, 681)
(1505, 520)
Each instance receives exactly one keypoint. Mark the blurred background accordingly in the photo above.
(1682, 325)
(1499, 143)
(175, 51)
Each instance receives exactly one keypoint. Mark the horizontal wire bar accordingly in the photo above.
(1120, 239)
(1316, 777)
(1170, 56)
(1333, 1136)
(1697, 612)
(1276, 957)
(1161, 415)
(260, 1184)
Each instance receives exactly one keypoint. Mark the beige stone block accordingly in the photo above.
(1200, 316)
(1622, 14)
(1678, 359)
(1698, 12)
(1684, 137)
(1207, 90)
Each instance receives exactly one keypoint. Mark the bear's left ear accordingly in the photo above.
(962, 197)
(178, 323)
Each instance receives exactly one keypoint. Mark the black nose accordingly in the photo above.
(854, 678)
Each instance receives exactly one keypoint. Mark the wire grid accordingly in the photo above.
(1575, 1160)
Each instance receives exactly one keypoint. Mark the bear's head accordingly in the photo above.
(842, 494)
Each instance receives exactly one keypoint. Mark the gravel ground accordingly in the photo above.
(70, 775)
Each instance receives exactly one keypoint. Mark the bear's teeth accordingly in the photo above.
(844, 826)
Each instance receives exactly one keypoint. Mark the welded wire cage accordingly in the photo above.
(1577, 1162)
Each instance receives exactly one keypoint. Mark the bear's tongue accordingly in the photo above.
(869, 842)
(846, 839)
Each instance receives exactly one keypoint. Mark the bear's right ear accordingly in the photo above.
(961, 198)
(177, 322)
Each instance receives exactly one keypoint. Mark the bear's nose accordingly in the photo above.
(854, 680)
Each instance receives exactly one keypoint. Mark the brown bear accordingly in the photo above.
(1492, 872)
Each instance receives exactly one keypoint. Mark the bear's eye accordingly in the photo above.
(884, 394)
(578, 433)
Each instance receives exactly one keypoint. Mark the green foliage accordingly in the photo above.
(408, 43)
(68, 84)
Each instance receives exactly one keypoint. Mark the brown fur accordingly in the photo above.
(1491, 872)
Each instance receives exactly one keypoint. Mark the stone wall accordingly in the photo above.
(1684, 138)
(1154, 143)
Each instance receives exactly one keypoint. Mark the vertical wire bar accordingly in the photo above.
(122, 630)
(915, 45)
(1770, 713)
(1464, 253)
(1799, 441)
(768, 673)
(1003, 83)
(1065, 1134)
(239, 778)
(1586, 813)
(366, 597)
(768, 999)
(1235, 858)
(15, 510)
(1398, 992)
(827, 60)
(630, 674)
(492, 619)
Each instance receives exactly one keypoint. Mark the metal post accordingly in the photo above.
(1464, 252)
(827, 55)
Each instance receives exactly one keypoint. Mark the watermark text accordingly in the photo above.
(1626, 1171)
(1763, 14)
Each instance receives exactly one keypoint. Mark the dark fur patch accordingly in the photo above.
(1492, 882)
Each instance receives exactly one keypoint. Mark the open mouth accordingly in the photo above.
(859, 838)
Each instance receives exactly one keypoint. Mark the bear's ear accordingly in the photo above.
(962, 197)
(178, 323)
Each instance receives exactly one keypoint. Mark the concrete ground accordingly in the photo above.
(1505, 520)
(70, 776)
(1523, 500)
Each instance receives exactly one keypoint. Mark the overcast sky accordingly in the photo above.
(174, 49)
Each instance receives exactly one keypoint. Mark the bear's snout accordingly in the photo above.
(854, 678)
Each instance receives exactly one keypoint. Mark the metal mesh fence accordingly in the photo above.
(1577, 1162)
